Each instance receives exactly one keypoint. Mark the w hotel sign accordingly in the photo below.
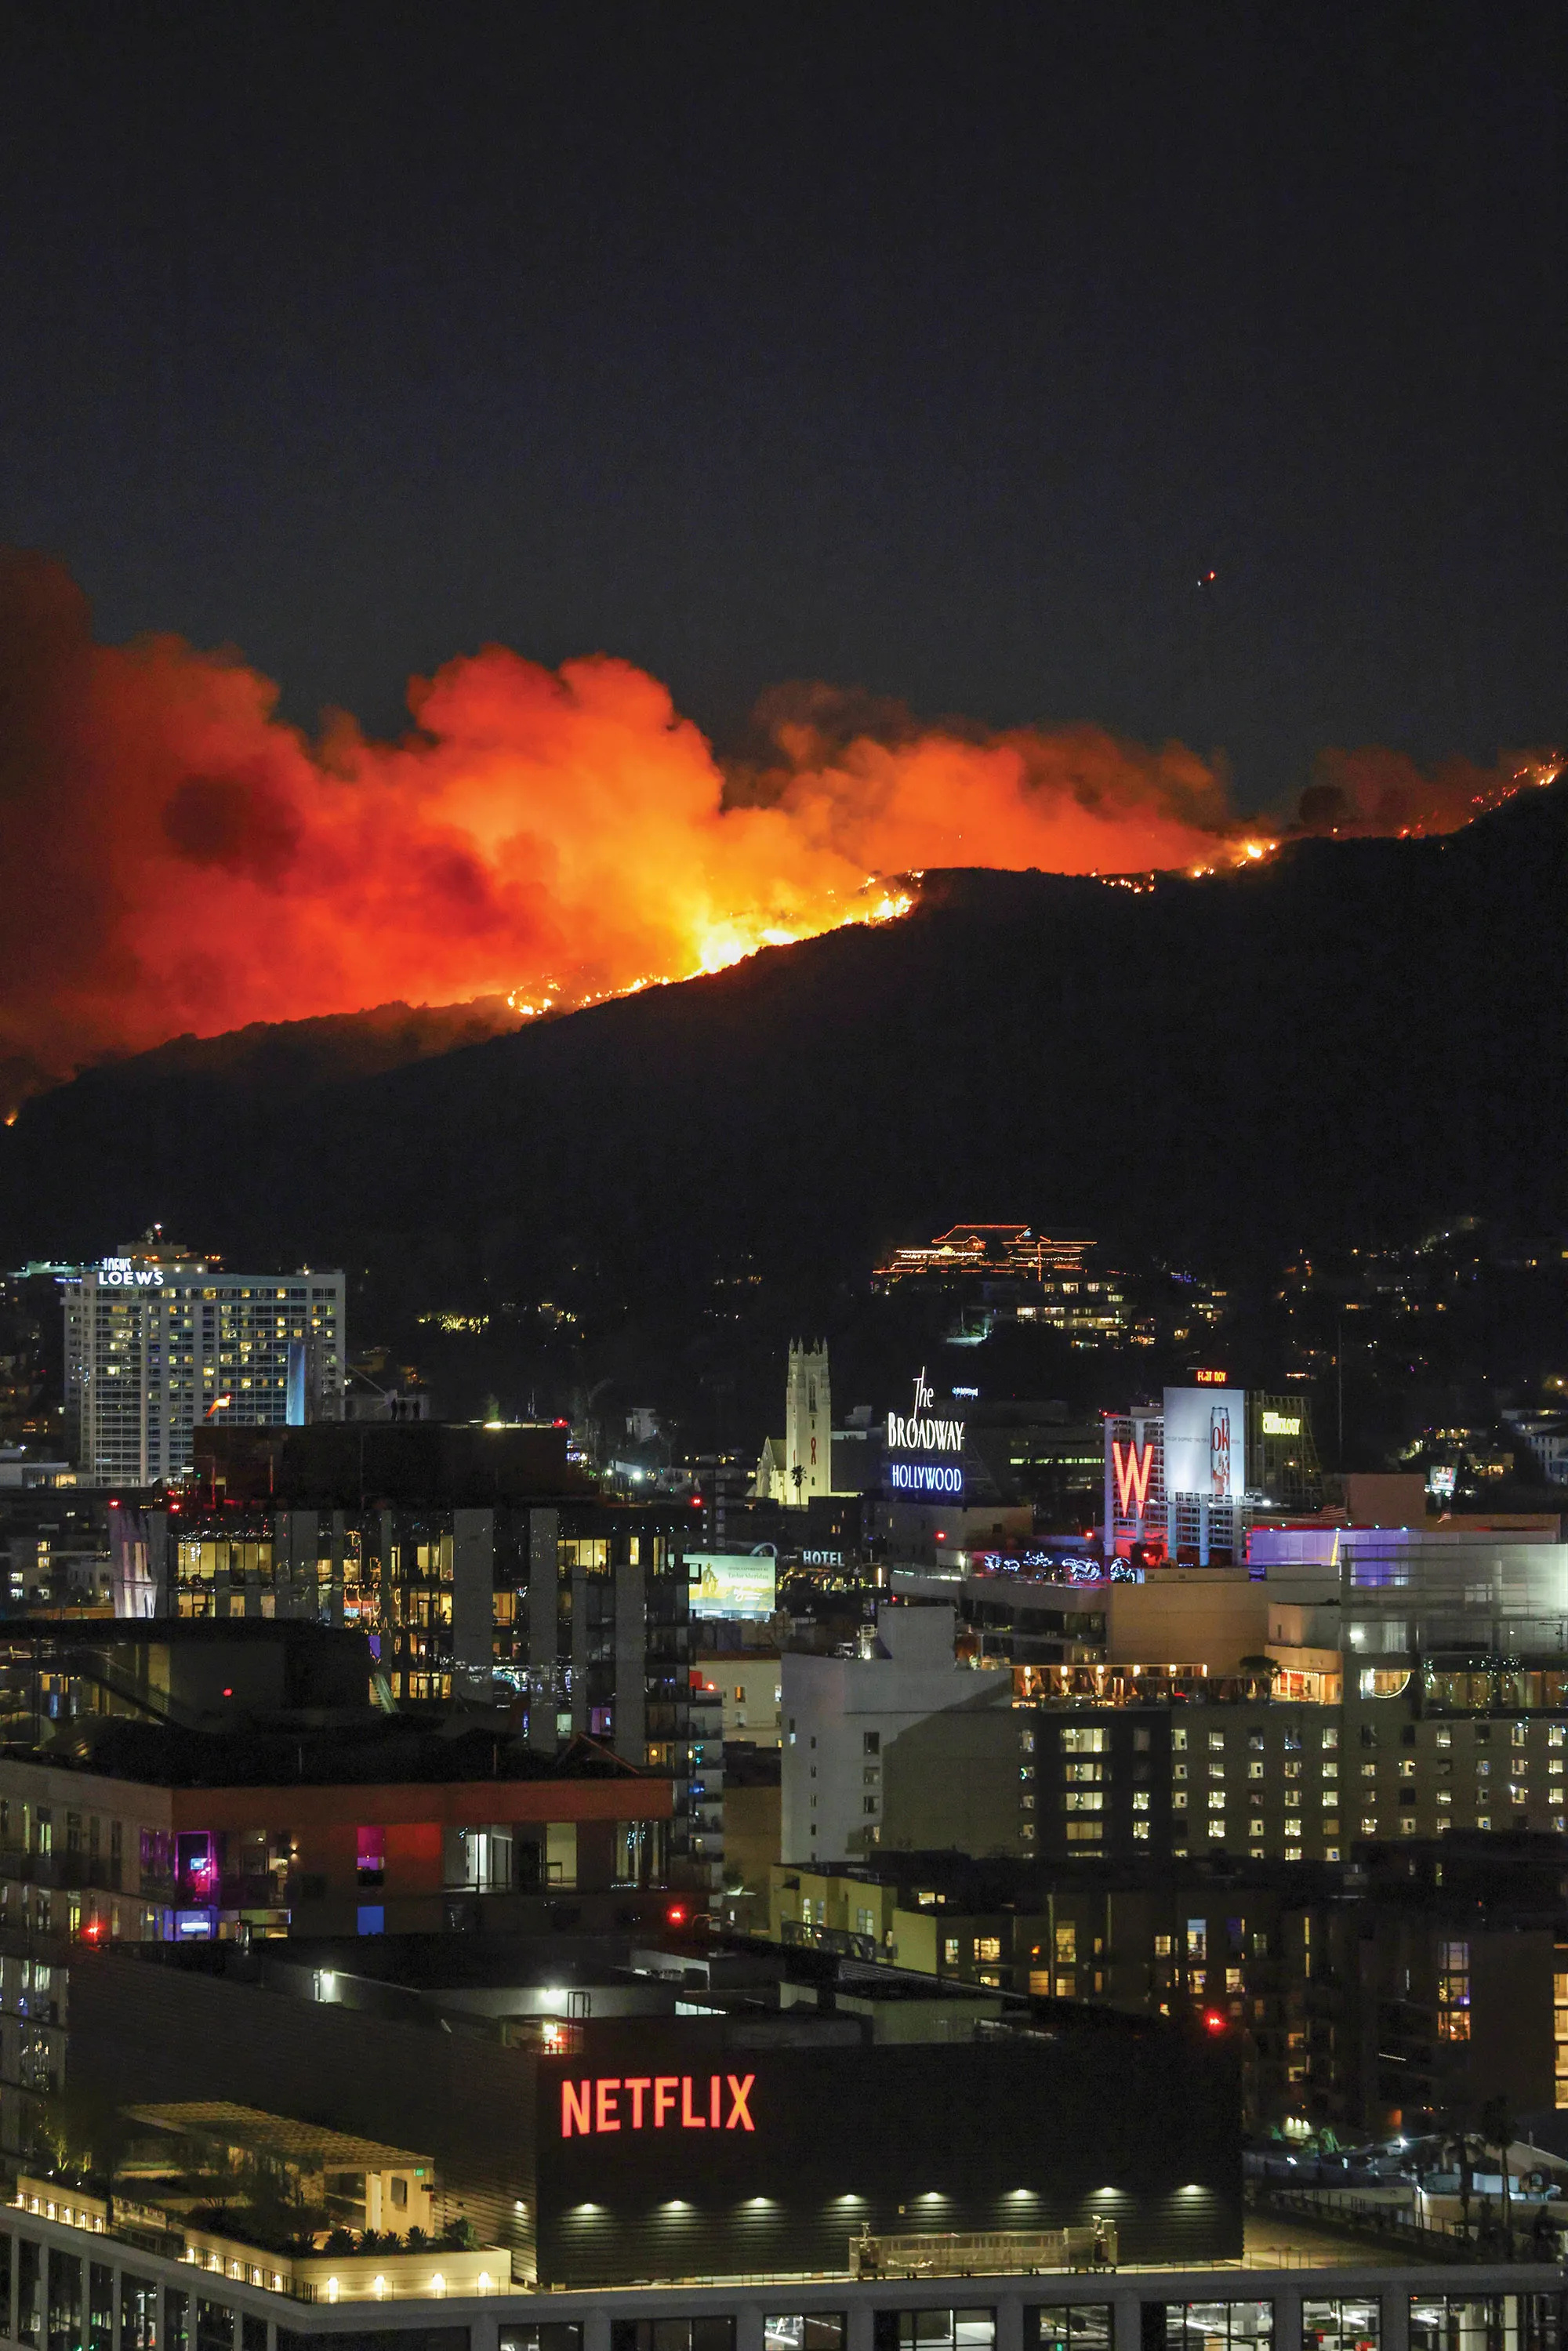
(1136, 1482)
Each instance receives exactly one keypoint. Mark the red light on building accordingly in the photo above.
(1133, 1472)
(676, 1916)
(592, 2106)
(1214, 2021)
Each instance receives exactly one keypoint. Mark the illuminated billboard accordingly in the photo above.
(1205, 1442)
(923, 1452)
(733, 1584)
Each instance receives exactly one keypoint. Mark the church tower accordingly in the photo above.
(808, 1425)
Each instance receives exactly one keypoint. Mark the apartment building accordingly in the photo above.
(1395, 2000)
(480, 1566)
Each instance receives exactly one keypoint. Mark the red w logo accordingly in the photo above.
(1133, 1469)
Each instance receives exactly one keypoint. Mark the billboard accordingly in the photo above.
(1205, 1442)
(932, 1445)
(734, 1584)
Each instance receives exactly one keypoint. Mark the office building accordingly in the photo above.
(56, 1554)
(748, 1686)
(76, 1667)
(1346, 1684)
(159, 1341)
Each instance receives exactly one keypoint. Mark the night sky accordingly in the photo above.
(932, 350)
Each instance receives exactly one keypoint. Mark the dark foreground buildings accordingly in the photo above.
(596, 2134)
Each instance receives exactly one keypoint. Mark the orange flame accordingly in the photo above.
(181, 859)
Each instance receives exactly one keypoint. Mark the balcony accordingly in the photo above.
(69, 1872)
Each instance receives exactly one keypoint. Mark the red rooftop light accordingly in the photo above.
(1214, 2021)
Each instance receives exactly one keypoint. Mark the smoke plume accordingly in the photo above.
(178, 859)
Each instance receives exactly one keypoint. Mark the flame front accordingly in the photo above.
(181, 859)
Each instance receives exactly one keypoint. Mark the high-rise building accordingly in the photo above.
(158, 1339)
(808, 1426)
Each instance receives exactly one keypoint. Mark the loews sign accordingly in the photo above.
(597, 2103)
(119, 1274)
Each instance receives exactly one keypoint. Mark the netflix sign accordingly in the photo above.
(595, 2106)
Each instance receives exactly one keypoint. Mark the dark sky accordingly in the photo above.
(933, 350)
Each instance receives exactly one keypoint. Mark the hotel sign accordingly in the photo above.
(119, 1274)
(596, 2105)
(935, 1443)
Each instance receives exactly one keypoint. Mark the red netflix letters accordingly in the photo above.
(595, 2105)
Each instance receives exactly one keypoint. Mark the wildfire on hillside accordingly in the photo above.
(179, 859)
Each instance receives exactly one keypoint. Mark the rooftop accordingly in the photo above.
(381, 1751)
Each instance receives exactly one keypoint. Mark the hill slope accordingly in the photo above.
(1352, 1039)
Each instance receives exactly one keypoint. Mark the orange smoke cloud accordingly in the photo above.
(178, 859)
(1378, 792)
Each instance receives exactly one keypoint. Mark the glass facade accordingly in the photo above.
(815, 2330)
(1208, 2326)
(1068, 2326)
(29, 2292)
(936, 2330)
(672, 2335)
(1485, 2322)
(138, 2314)
(1339, 2324)
(64, 2301)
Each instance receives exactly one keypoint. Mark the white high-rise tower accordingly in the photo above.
(808, 1425)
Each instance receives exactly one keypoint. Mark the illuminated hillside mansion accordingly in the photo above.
(1034, 1276)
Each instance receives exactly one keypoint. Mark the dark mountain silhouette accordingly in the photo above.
(1349, 1040)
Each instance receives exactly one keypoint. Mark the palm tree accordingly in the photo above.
(1459, 2144)
(1498, 2127)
